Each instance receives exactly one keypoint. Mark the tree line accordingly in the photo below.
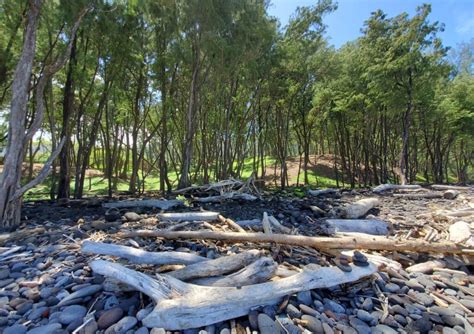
(192, 91)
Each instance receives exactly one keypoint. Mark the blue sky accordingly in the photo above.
(344, 24)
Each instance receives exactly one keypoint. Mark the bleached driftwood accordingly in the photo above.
(379, 260)
(427, 195)
(322, 192)
(252, 223)
(219, 266)
(231, 224)
(20, 234)
(457, 213)
(451, 194)
(180, 305)
(358, 208)
(188, 216)
(139, 256)
(267, 228)
(361, 242)
(388, 187)
(278, 226)
(226, 196)
(426, 267)
(257, 272)
(448, 187)
(367, 226)
(147, 203)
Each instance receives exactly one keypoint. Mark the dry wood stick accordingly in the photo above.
(361, 242)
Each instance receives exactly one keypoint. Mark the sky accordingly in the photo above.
(345, 23)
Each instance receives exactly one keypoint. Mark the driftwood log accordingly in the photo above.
(139, 256)
(360, 242)
(226, 196)
(219, 266)
(20, 234)
(147, 203)
(188, 216)
(259, 271)
(180, 305)
(358, 208)
(367, 226)
(389, 187)
(448, 187)
(323, 192)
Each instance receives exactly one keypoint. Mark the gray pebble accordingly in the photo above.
(333, 306)
(266, 325)
(125, 324)
(304, 297)
(15, 329)
(71, 313)
(47, 329)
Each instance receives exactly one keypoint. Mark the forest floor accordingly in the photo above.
(45, 267)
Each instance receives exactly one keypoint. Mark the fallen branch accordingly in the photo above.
(357, 209)
(426, 267)
(321, 192)
(5, 237)
(219, 266)
(139, 256)
(370, 243)
(367, 226)
(388, 187)
(448, 187)
(147, 203)
(181, 306)
(225, 196)
(188, 216)
(267, 228)
(231, 224)
(428, 195)
(257, 272)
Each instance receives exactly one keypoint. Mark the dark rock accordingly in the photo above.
(71, 313)
(125, 324)
(422, 325)
(292, 311)
(266, 325)
(46, 329)
(304, 297)
(253, 320)
(110, 317)
(15, 329)
(360, 326)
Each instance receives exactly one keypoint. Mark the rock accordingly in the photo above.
(4, 273)
(424, 299)
(450, 194)
(110, 317)
(304, 297)
(442, 311)
(112, 214)
(132, 216)
(38, 313)
(308, 310)
(360, 326)
(158, 331)
(74, 324)
(143, 313)
(292, 311)
(398, 309)
(468, 303)
(327, 329)
(70, 313)
(253, 319)
(383, 329)
(392, 287)
(333, 306)
(313, 324)
(365, 316)
(266, 325)
(47, 329)
(90, 328)
(111, 302)
(422, 325)
(142, 330)
(368, 304)
(449, 330)
(459, 232)
(413, 284)
(125, 324)
(15, 329)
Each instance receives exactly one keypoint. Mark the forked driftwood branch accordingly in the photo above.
(359, 242)
(180, 305)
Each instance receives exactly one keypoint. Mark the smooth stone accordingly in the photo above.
(308, 310)
(37, 313)
(468, 303)
(143, 313)
(383, 329)
(333, 306)
(452, 321)
(15, 329)
(74, 324)
(413, 284)
(158, 331)
(253, 320)
(71, 313)
(132, 216)
(422, 325)
(449, 330)
(90, 328)
(400, 319)
(424, 299)
(313, 324)
(142, 330)
(399, 309)
(368, 304)
(304, 297)
(4, 273)
(292, 311)
(111, 302)
(125, 324)
(327, 329)
(360, 326)
(266, 325)
(365, 316)
(442, 311)
(47, 329)
(392, 287)
(110, 317)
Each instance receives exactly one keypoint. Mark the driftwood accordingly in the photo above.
(252, 223)
(379, 260)
(267, 227)
(448, 187)
(226, 196)
(278, 226)
(147, 203)
(231, 224)
(358, 208)
(139, 256)
(188, 216)
(426, 267)
(322, 192)
(450, 194)
(367, 226)
(389, 187)
(5, 237)
(219, 266)
(182, 305)
(369, 243)
(258, 272)
(427, 195)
